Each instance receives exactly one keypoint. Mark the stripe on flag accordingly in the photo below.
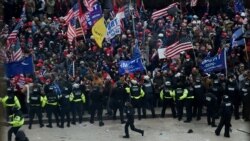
(89, 4)
(163, 12)
(193, 3)
(183, 44)
(17, 53)
(73, 12)
(71, 34)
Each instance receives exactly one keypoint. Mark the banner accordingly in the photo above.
(113, 28)
(99, 31)
(161, 53)
(94, 15)
(24, 66)
(130, 66)
(215, 63)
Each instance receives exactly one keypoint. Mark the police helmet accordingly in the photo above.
(51, 88)
(225, 98)
(216, 81)
(36, 90)
(167, 83)
(9, 89)
(134, 82)
(76, 85)
(247, 83)
(146, 77)
(198, 80)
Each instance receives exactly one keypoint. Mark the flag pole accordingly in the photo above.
(225, 61)
(195, 59)
(73, 68)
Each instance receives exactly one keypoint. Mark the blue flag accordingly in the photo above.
(94, 15)
(130, 66)
(239, 32)
(237, 39)
(136, 51)
(238, 6)
(211, 64)
(24, 66)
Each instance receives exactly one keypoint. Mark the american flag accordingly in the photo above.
(12, 37)
(78, 28)
(73, 12)
(193, 3)
(89, 4)
(82, 19)
(183, 44)
(17, 53)
(71, 33)
(163, 12)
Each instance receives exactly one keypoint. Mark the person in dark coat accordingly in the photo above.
(226, 110)
(118, 99)
(130, 120)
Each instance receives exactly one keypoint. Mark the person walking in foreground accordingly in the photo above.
(16, 121)
(130, 120)
(226, 111)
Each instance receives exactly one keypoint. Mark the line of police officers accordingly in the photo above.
(177, 93)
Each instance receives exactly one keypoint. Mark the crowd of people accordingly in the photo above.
(96, 83)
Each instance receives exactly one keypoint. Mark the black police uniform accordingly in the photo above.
(96, 97)
(52, 106)
(179, 92)
(36, 103)
(245, 94)
(226, 110)
(118, 97)
(148, 100)
(129, 110)
(77, 105)
(211, 103)
(199, 93)
(65, 105)
(135, 92)
(189, 102)
(234, 96)
(167, 101)
(217, 90)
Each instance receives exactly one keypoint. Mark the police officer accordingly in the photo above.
(179, 95)
(245, 94)
(199, 95)
(148, 98)
(78, 99)
(118, 97)
(96, 97)
(16, 121)
(65, 105)
(136, 95)
(130, 120)
(36, 104)
(51, 100)
(166, 96)
(233, 94)
(9, 101)
(226, 110)
(189, 101)
(217, 90)
(211, 103)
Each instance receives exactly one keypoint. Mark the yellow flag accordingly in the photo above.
(99, 31)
